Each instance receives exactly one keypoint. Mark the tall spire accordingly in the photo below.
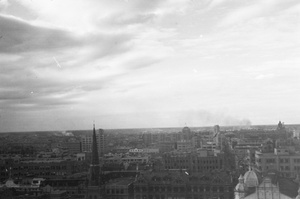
(94, 167)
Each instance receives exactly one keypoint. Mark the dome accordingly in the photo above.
(10, 183)
(250, 178)
(186, 130)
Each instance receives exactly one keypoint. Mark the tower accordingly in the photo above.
(102, 143)
(239, 191)
(94, 167)
(94, 188)
(87, 142)
(216, 136)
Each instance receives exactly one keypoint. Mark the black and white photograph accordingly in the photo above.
(149, 99)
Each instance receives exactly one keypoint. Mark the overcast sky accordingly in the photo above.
(148, 63)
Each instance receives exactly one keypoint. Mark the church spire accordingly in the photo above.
(94, 167)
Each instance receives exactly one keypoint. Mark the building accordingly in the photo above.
(281, 159)
(87, 141)
(144, 151)
(181, 184)
(216, 136)
(119, 189)
(186, 133)
(200, 160)
(272, 186)
(73, 147)
(75, 188)
(166, 146)
(127, 159)
(245, 152)
(184, 145)
(51, 168)
(29, 190)
(94, 188)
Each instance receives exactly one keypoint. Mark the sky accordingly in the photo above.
(142, 63)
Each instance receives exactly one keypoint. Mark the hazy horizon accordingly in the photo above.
(179, 128)
(140, 63)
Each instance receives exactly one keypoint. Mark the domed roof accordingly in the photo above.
(240, 187)
(250, 178)
(186, 129)
(10, 183)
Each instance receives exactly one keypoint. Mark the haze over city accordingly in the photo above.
(141, 63)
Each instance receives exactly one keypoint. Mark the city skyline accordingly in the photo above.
(139, 63)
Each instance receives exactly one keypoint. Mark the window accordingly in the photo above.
(207, 188)
(270, 160)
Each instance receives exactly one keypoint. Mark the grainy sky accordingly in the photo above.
(148, 63)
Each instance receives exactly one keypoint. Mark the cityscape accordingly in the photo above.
(149, 99)
(205, 162)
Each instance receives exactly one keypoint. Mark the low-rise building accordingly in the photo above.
(56, 168)
(272, 186)
(181, 184)
(127, 159)
(200, 160)
(281, 159)
(144, 151)
(119, 189)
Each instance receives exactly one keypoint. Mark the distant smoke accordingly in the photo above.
(65, 133)
(205, 118)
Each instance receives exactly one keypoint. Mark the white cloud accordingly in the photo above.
(127, 56)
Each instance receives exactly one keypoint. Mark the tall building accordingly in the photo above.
(102, 143)
(217, 136)
(87, 141)
(93, 189)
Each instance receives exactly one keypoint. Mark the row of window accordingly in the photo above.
(63, 167)
(281, 160)
(115, 191)
(194, 161)
(37, 173)
(199, 168)
(282, 168)
(175, 197)
(180, 189)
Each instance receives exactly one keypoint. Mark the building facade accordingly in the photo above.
(282, 160)
(180, 184)
(271, 186)
(195, 161)
(87, 141)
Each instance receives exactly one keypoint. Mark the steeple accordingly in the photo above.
(94, 167)
(239, 192)
(298, 196)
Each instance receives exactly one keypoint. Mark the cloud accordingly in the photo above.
(135, 56)
(247, 11)
(3, 5)
(125, 19)
(141, 62)
(265, 76)
(21, 36)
